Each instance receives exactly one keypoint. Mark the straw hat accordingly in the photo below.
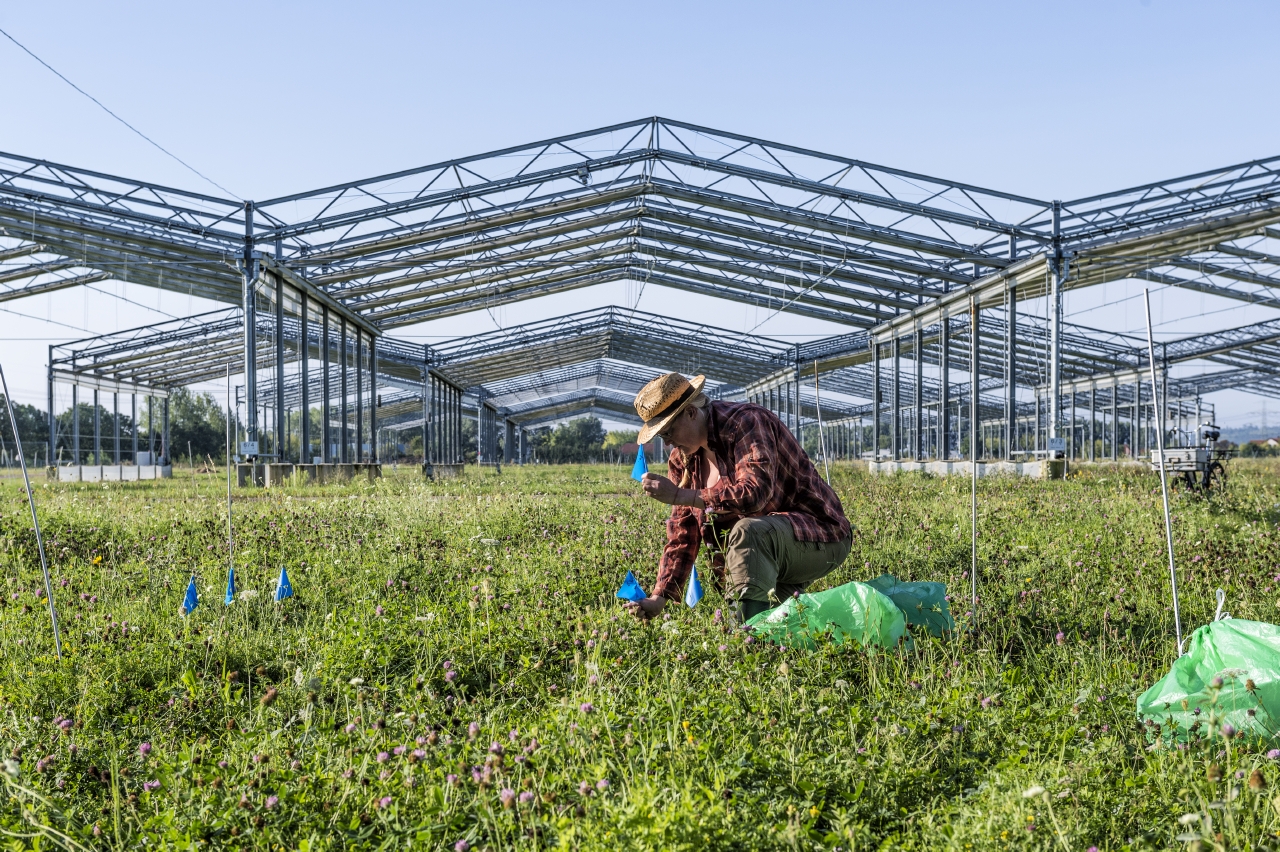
(662, 399)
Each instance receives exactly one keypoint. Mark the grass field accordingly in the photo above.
(455, 673)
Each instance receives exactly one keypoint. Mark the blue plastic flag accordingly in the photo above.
(284, 589)
(693, 591)
(231, 587)
(641, 466)
(631, 590)
(192, 598)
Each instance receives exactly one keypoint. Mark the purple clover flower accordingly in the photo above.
(144, 749)
(384, 802)
(507, 796)
(272, 801)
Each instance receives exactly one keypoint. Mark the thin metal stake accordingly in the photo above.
(1164, 481)
(822, 438)
(231, 556)
(35, 521)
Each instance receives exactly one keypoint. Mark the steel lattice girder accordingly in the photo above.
(615, 333)
(661, 202)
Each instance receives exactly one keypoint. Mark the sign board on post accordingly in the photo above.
(1057, 445)
(248, 448)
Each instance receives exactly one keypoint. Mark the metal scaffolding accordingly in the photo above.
(953, 294)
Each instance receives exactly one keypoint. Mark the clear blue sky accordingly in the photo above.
(1053, 100)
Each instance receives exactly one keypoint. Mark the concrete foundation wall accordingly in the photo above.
(275, 475)
(1040, 469)
(109, 472)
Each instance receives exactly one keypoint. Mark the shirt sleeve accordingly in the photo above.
(754, 475)
(684, 537)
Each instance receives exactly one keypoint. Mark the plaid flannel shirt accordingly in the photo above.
(763, 471)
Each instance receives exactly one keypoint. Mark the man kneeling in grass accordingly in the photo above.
(746, 489)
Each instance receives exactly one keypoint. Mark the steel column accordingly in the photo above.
(895, 438)
(944, 391)
(304, 452)
(359, 449)
(917, 429)
(875, 402)
(326, 431)
(97, 429)
(1010, 371)
(281, 411)
(250, 273)
(373, 398)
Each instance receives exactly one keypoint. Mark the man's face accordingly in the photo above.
(683, 431)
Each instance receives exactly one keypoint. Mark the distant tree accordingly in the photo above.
(578, 440)
(33, 430)
(195, 419)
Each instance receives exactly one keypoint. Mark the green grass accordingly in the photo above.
(705, 741)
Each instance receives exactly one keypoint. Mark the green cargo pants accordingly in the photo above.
(762, 555)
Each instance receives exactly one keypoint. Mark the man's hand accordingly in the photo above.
(647, 608)
(665, 491)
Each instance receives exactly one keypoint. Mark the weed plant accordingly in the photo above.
(455, 673)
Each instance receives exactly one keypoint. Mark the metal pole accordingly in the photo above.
(1055, 325)
(343, 455)
(973, 452)
(895, 439)
(281, 413)
(326, 431)
(359, 448)
(133, 424)
(944, 392)
(164, 432)
(917, 428)
(53, 421)
(75, 424)
(250, 271)
(875, 402)
(115, 404)
(373, 397)
(822, 439)
(231, 556)
(97, 429)
(1164, 481)
(1010, 372)
(304, 338)
(35, 521)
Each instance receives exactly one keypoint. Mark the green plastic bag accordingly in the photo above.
(1246, 656)
(853, 612)
(924, 604)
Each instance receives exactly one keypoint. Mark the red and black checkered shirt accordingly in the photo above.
(763, 471)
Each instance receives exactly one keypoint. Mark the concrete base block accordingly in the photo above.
(442, 471)
(109, 472)
(1055, 469)
(275, 475)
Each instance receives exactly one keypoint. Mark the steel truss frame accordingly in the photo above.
(904, 259)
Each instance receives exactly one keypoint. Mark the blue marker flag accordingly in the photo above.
(631, 590)
(284, 589)
(231, 587)
(693, 591)
(192, 598)
(641, 466)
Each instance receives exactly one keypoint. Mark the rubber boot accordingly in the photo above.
(747, 610)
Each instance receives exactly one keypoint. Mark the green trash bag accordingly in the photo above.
(852, 612)
(1246, 656)
(924, 604)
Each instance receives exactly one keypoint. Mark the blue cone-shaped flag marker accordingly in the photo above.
(641, 466)
(231, 587)
(192, 598)
(631, 590)
(284, 589)
(693, 591)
